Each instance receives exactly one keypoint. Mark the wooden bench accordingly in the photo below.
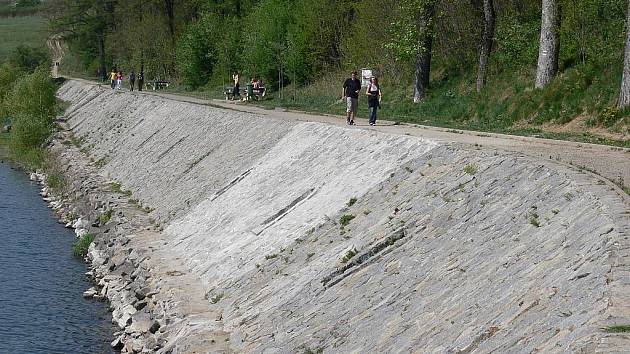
(229, 93)
(255, 93)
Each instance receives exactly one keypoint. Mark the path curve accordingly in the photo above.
(609, 163)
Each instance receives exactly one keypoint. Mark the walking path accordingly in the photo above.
(612, 163)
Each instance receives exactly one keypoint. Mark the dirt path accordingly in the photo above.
(56, 51)
(612, 163)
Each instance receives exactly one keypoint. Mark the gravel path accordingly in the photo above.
(612, 163)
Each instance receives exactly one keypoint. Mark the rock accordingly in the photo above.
(81, 232)
(141, 322)
(118, 343)
(80, 223)
(90, 293)
(155, 326)
(6, 128)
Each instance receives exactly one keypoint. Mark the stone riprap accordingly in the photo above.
(281, 237)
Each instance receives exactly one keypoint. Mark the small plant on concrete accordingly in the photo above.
(366, 212)
(313, 351)
(471, 169)
(568, 196)
(216, 298)
(345, 219)
(351, 201)
(271, 256)
(555, 211)
(117, 188)
(348, 256)
(81, 245)
(408, 169)
(310, 255)
(617, 329)
(533, 218)
(106, 216)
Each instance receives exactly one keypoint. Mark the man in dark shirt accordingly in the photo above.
(351, 89)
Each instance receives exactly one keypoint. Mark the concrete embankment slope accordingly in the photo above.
(307, 236)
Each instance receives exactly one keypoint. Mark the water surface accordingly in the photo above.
(41, 283)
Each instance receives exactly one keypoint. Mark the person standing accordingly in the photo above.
(351, 89)
(132, 80)
(141, 79)
(112, 77)
(237, 89)
(373, 92)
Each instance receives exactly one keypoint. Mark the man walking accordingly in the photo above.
(351, 89)
(132, 80)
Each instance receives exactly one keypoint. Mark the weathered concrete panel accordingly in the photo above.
(447, 249)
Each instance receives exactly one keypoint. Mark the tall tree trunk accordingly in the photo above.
(237, 7)
(423, 58)
(170, 14)
(101, 55)
(487, 37)
(624, 95)
(549, 43)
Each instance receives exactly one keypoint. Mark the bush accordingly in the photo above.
(31, 106)
(81, 245)
(26, 58)
(196, 51)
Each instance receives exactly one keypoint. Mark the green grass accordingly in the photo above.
(81, 245)
(618, 329)
(28, 30)
(348, 256)
(471, 169)
(509, 103)
(345, 219)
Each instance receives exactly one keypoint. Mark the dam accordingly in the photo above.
(233, 232)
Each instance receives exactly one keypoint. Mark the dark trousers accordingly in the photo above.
(131, 84)
(113, 84)
(140, 84)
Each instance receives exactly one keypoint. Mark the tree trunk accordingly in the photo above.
(237, 7)
(101, 56)
(423, 58)
(624, 95)
(487, 37)
(170, 14)
(549, 43)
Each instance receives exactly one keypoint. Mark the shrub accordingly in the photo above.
(81, 245)
(28, 59)
(31, 104)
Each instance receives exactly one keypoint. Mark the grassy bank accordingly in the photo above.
(577, 106)
(16, 31)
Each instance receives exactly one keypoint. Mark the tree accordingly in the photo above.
(412, 40)
(549, 43)
(487, 37)
(424, 23)
(624, 95)
(84, 22)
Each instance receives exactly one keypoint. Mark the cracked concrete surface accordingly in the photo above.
(459, 249)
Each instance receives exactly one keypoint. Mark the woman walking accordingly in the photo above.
(119, 79)
(374, 98)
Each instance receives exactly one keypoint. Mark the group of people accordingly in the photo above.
(351, 92)
(256, 84)
(117, 78)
